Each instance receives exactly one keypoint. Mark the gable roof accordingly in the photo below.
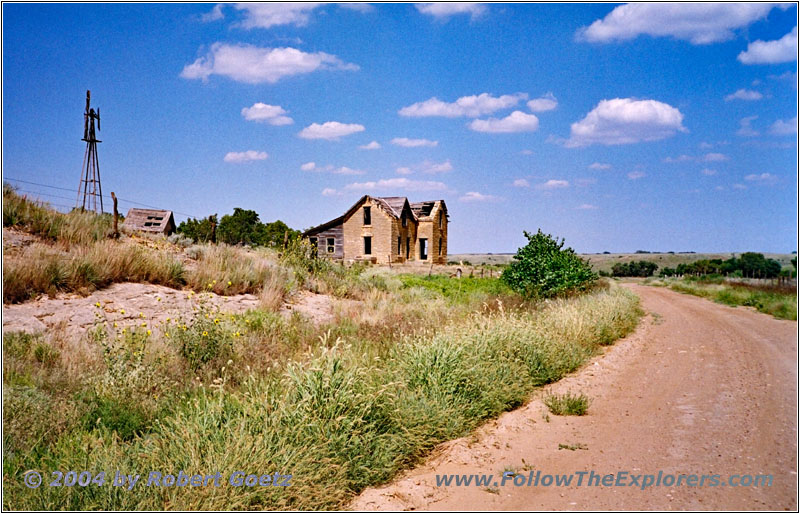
(424, 209)
(149, 220)
(392, 205)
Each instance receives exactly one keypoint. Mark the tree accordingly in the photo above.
(198, 230)
(272, 234)
(544, 268)
(241, 227)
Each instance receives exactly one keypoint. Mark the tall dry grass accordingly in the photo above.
(41, 268)
(349, 415)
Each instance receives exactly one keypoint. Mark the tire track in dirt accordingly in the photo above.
(699, 388)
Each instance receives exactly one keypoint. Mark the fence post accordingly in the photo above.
(116, 215)
(213, 229)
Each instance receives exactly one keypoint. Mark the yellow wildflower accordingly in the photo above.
(205, 333)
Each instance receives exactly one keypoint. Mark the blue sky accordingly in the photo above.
(667, 127)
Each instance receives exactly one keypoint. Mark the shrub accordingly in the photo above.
(544, 268)
(567, 404)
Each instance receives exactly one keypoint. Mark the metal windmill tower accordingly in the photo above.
(89, 186)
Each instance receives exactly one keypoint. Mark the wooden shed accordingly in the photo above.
(150, 220)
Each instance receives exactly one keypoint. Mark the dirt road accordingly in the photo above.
(700, 388)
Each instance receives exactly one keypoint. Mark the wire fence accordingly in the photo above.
(61, 197)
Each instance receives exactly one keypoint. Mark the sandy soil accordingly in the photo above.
(699, 388)
(75, 313)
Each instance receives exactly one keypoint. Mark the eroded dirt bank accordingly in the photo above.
(699, 388)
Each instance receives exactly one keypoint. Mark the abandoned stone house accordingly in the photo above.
(385, 230)
(150, 220)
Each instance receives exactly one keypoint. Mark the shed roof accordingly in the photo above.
(149, 220)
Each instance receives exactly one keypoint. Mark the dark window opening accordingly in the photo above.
(331, 245)
(367, 245)
(367, 216)
(423, 250)
(440, 246)
(408, 247)
(399, 245)
(405, 221)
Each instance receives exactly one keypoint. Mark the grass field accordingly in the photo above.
(778, 301)
(604, 262)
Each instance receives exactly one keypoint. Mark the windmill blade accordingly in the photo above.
(88, 96)
(98, 118)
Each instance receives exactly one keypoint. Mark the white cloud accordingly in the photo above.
(705, 145)
(527, 152)
(784, 127)
(714, 157)
(745, 128)
(624, 121)
(433, 167)
(466, 106)
(763, 178)
(553, 184)
(599, 166)
(708, 171)
(213, 15)
(635, 175)
(547, 102)
(586, 207)
(517, 121)
(330, 192)
(330, 130)
(397, 183)
(361, 7)
(442, 11)
(412, 143)
(680, 158)
(427, 166)
(264, 15)
(739, 186)
(521, 182)
(344, 170)
(257, 65)
(265, 113)
(341, 170)
(474, 196)
(699, 23)
(374, 145)
(771, 52)
(744, 94)
(249, 155)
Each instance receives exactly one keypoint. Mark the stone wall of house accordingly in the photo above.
(430, 230)
(380, 229)
(408, 238)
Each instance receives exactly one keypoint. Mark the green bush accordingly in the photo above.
(567, 404)
(544, 268)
